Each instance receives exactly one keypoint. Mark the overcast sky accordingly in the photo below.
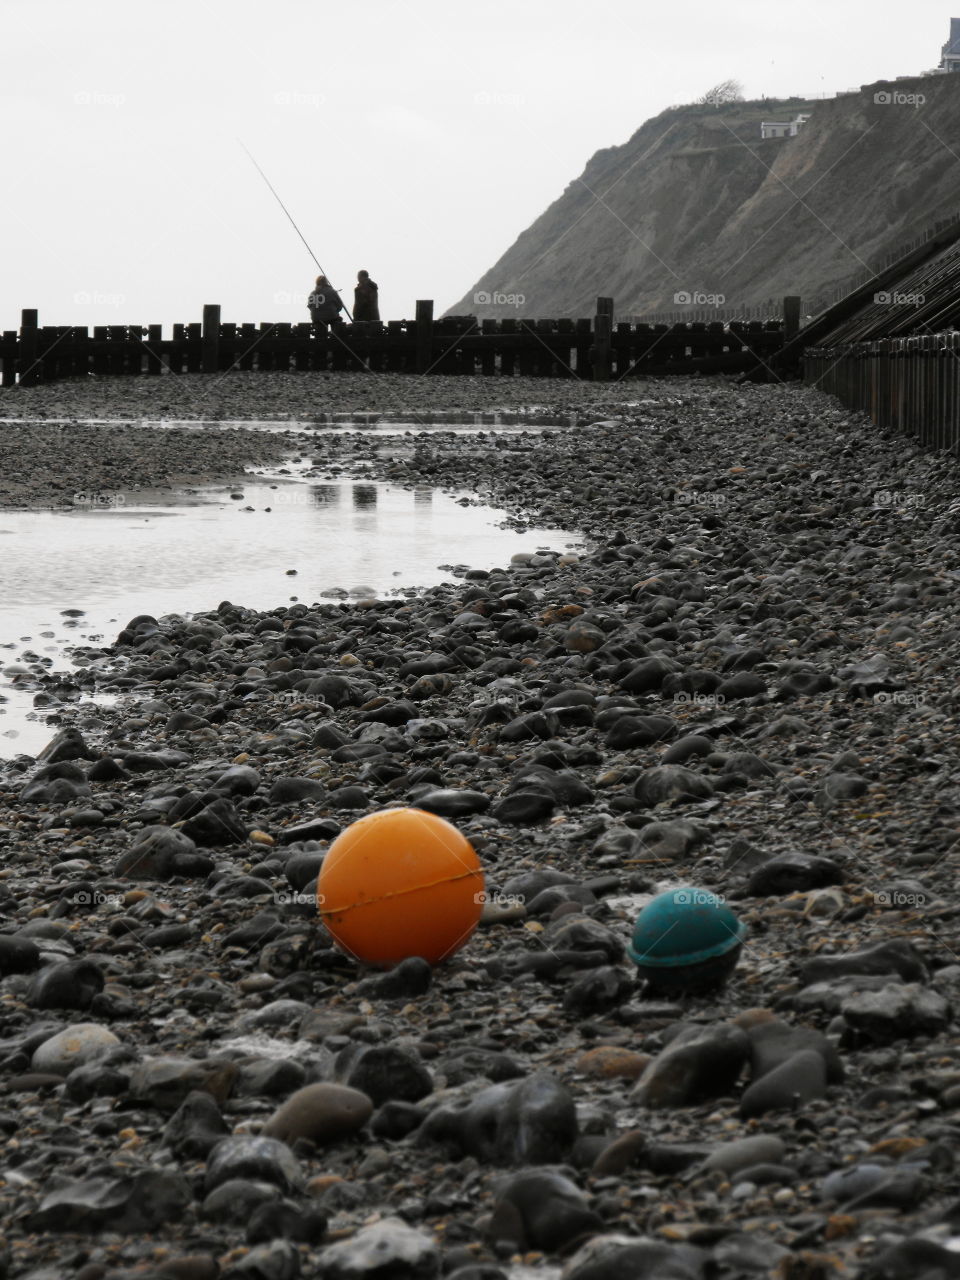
(415, 138)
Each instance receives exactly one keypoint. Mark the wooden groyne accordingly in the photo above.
(597, 348)
(909, 384)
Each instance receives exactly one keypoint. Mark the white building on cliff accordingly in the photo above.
(783, 128)
(950, 59)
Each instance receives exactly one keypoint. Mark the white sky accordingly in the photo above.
(415, 138)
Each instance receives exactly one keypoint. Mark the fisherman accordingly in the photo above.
(366, 298)
(324, 303)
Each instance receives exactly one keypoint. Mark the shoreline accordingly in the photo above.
(768, 577)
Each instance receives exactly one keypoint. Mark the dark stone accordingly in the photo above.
(746, 684)
(72, 984)
(774, 1043)
(588, 937)
(238, 780)
(160, 853)
(302, 869)
(692, 744)
(631, 731)
(525, 807)
(352, 797)
(896, 957)
(385, 1073)
(449, 802)
(898, 1011)
(647, 675)
(269, 1078)
(671, 782)
(541, 1209)
(216, 824)
(195, 1127)
(914, 1259)
(233, 1201)
(792, 873)
(563, 784)
(535, 724)
(283, 1220)
(18, 955)
(68, 744)
(614, 1258)
(257, 1159)
(472, 1063)
(539, 1122)
(802, 1078)
(137, 1201)
(296, 790)
(315, 829)
(698, 1064)
(96, 1080)
(531, 1122)
(396, 1120)
(866, 1186)
(405, 981)
(597, 992)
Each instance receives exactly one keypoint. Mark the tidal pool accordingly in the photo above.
(72, 578)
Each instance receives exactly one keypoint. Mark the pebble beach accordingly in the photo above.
(743, 681)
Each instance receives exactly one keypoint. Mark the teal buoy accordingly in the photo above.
(686, 940)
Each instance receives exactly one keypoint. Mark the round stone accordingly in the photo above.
(320, 1112)
(79, 1044)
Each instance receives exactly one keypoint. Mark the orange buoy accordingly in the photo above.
(400, 883)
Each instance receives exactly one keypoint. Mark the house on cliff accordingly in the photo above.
(950, 59)
(783, 128)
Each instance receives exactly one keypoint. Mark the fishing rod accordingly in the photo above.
(292, 223)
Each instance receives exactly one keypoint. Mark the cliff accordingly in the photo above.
(696, 202)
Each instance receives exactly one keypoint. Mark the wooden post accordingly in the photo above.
(211, 337)
(8, 356)
(424, 334)
(154, 339)
(791, 316)
(29, 368)
(602, 334)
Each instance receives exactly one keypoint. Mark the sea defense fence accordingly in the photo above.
(596, 348)
(911, 383)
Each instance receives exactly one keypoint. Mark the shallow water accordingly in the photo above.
(347, 423)
(342, 538)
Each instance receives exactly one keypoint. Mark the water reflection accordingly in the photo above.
(364, 496)
(325, 495)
